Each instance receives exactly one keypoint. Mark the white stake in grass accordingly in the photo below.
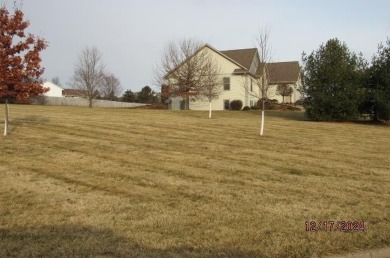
(209, 110)
(262, 123)
(6, 118)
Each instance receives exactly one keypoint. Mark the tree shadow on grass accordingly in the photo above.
(300, 116)
(85, 241)
(371, 123)
(288, 115)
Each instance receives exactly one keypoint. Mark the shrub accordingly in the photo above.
(273, 105)
(299, 102)
(236, 104)
(246, 108)
(268, 104)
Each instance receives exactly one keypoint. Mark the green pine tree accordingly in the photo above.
(377, 88)
(332, 79)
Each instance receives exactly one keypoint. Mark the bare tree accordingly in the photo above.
(89, 74)
(56, 81)
(262, 42)
(212, 87)
(111, 87)
(184, 70)
(284, 90)
(265, 55)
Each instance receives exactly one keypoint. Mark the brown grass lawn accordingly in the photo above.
(125, 182)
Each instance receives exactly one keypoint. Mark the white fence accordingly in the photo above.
(81, 102)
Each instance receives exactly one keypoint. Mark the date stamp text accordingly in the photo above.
(330, 225)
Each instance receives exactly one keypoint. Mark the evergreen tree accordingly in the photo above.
(377, 87)
(332, 79)
(129, 96)
(147, 95)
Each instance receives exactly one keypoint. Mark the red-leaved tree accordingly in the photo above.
(20, 60)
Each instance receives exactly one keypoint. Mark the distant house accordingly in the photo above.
(72, 93)
(54, 90)
(58, 91)
(240, 69)
(288, 73)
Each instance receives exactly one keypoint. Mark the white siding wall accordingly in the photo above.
(237, 86)
(298, 87)
(254, 65)
(54, 90)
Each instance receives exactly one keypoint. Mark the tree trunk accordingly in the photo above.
(262, 119)
(90, 103)
(6, 118)
(188, 103)
(209, 109)
(376, 116)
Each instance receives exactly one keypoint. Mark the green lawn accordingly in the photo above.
(158, 183)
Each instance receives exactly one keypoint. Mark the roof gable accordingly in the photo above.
(51, 85)
(280, 72)
(226, 56)
(242, 56)
(212, 49)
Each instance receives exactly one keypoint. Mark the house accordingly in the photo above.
(54, 90)
(72, 93)
(240, 75)
(287, 73)
(58, 91)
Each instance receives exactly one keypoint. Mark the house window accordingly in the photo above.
(226, 104)
(226, 83)
(251, 85)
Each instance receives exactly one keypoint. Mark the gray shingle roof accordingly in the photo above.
(242, 56)
(283, 72)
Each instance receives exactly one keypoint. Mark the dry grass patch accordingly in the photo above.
(157, 183)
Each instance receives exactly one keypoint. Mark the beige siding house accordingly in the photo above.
(234, 82)
(288, 73)
(240, 71)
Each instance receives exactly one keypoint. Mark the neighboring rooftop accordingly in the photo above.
(242, 56)
(283, 72)
(72, 93)
(280, 72)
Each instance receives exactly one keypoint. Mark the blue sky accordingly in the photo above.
(132, 34)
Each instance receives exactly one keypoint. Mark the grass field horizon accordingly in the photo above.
(158, 183)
